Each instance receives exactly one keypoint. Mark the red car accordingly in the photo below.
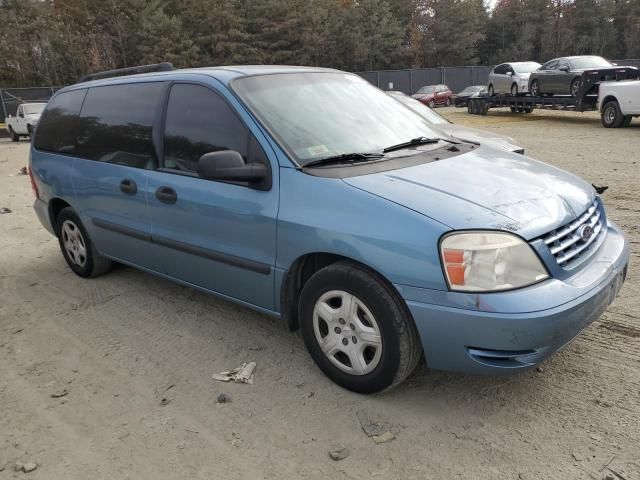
(433, 95)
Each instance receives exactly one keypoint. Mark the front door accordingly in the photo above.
(216, 235)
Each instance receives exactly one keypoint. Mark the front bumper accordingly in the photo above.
(505, 332)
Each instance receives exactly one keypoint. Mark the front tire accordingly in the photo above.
(77, 248)
(575, 86)
(491, 91)
(612, 115)
(534, 88)
(14, 136)
(447, 102)
(357, 329)
(432, 104)
(514, 89)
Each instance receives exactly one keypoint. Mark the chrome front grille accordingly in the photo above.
(573, 242)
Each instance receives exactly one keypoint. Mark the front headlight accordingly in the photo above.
(489, 261)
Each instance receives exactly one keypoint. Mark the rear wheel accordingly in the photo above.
(575, 86)
(611, 115)
(357, 329)
(534, 88)
(77, 248)
(14, 136)
(30, 130)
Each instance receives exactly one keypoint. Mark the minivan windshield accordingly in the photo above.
(319, 115)
(33, 108)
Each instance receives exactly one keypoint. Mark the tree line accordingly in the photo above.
(53, 42)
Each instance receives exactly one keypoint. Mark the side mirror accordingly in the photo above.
(228, 165)
(8, 116)
(21, 115)
(510, 73)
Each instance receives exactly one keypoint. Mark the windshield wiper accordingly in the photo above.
(414, 142)
(348, 158)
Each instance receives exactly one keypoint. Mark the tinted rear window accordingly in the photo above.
(57, 128)
(116, 124)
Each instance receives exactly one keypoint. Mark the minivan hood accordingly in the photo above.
(485, 189)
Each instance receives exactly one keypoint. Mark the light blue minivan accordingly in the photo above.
(310, 195)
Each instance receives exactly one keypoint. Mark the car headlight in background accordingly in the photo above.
(489, 261)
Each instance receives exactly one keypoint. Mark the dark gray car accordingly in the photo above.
(563, 75)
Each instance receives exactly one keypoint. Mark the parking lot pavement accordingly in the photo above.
(111, 377)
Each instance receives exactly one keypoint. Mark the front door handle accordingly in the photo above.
(128, 186)
(166, 195)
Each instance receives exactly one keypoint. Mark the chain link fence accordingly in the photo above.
(11, 98)
(457, 78)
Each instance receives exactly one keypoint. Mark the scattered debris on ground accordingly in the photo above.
(601, 189)
(223, 398)
(23, 171)
(165, 401)
(339, 452)
(384, 438)
(243, 374)
(4, 210)
(370, 427)
(25, 467)
(60, 393)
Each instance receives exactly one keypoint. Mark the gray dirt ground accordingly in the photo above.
(122, 343)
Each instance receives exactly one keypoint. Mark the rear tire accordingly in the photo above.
(77, 248)
(14, 136)
(611, 115)
(349, 312)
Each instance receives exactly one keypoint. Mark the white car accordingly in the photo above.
(618, 102)
(511, 78)
(25, 121)
(474, 135)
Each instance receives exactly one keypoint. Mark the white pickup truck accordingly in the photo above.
(25, 121)
(618, 102)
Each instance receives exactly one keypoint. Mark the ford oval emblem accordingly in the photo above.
(585, 232)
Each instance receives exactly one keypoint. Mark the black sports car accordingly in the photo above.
(461, 99)
(563, 75)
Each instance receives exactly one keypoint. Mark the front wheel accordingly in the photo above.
(77, 248)
(575, 87)
(432, 104)
(514, 89)
(14, 136)
(447, 102)
(357, 329)
(491, 91)
(534, 88)
(611, 115)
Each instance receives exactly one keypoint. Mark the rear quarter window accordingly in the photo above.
(116, 124)
(58, 126)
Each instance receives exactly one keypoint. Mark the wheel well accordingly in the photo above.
(55, 207)
(607, 99)
(297, 276)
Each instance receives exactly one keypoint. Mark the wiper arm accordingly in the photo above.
(345, 158)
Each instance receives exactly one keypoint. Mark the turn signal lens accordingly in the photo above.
(489, 261)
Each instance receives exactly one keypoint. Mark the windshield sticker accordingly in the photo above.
(317, 150)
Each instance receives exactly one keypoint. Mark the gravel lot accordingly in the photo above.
(111, 377)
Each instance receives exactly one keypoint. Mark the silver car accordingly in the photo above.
(511, 78)
(440, 123)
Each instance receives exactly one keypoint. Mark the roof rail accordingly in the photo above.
(155, 67)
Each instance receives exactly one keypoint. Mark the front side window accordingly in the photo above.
(550, 65)
(199, 121)
(116, 124)
(58, 126)
(34, 108)
(318, 115)
(501, 69)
